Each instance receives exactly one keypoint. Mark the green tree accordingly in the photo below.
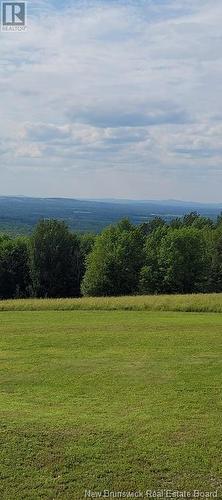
(219, 220)
(183, 260)
(176, 222)
(54, 260)
(115, 261)
(151, 280)
(190, 219)
(86, 243)
(14, 267)
(215, 280)
(147, 228)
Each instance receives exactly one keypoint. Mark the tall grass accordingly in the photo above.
(189, 303)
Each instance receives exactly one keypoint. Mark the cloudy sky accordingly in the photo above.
(107, 98)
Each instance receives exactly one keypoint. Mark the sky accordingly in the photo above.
(113, 99)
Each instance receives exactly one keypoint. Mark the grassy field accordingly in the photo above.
(116, 400)
(184, 303)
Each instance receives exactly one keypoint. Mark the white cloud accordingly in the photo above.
(119, 86)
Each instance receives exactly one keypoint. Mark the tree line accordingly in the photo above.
(183, 256)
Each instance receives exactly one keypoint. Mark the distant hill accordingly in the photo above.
(19, 214)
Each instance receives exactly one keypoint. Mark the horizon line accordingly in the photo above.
(112, 199)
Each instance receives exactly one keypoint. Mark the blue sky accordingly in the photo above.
(113, 99)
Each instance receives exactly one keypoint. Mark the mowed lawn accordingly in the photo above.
(115, 400)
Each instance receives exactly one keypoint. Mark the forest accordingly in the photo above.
(156, 257)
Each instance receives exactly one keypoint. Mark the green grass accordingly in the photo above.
(118, 400)
(187, 303)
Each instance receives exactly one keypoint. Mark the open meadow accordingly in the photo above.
(110, 394)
